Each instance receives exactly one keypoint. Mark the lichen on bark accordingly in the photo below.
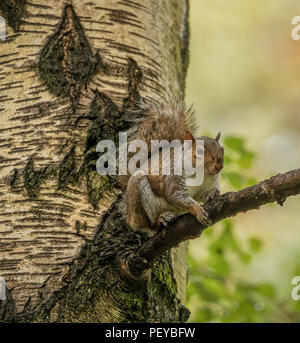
(91, 282)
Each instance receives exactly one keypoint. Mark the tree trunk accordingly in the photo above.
(70, 75)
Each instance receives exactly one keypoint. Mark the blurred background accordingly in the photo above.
(244, 80)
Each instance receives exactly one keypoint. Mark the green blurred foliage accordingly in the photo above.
(238, 158)
(222, 297)
(219, 295)
(243, 80)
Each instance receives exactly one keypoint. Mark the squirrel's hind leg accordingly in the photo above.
(136, 216)
(164, 220)
(143, 206)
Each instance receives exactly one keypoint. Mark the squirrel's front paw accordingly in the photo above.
(202, 216)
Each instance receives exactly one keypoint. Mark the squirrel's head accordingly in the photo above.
(213, 153)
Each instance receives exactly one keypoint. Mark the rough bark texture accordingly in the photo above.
(70, 74)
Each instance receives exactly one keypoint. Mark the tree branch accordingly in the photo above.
(185, 227)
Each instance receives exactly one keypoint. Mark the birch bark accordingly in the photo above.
(70, 72)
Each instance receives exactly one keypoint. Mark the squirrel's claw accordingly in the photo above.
(202, 216)
(204, 219)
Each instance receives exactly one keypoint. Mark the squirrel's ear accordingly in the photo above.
(218, 136)
(188, 136)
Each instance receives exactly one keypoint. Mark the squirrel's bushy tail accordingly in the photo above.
(160, 122)
(163, 121)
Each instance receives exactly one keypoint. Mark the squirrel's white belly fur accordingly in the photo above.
(209, 185)
(160, 205)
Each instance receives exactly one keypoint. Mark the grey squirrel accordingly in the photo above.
(149, 197)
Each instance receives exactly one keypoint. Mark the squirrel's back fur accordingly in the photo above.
(160, 122)
(164, 122)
